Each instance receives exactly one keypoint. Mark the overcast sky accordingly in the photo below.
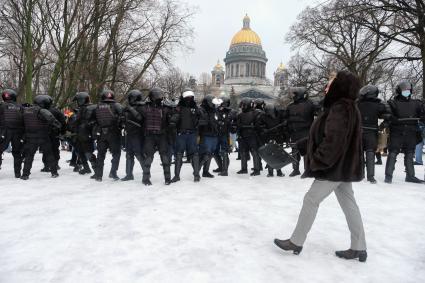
(217, 21)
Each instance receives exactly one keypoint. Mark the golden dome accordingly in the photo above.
(246, 34)
(281, 67)
(218, 66)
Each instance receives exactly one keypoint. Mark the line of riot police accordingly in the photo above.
(201, 133)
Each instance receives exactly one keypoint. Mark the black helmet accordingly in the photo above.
(107, 96)
(246, 104)
(134, 96)
(404, 87)
(298, 93)
(270, 110)
(9, 95)
(369, 91)
(44, 101)
(226, 100)
(208, 101)
(156, 94)
(259, 103)
(82, 98)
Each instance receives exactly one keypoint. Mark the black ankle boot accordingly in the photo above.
(128, 178)
(287, 245)
(352, 254)
(295, 173)
(207, 175)
(114, 176)
(175, 179)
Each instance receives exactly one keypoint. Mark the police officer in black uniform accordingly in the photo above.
(300, 116)
(271, 126)
(84, 141)
(185, 123)
(54, 135)
(248, 136)
(208, 131)
(226, 125)
(156, 120)
(371, 109)
(108, 118)
(11, 128)
(39, 122)
(406, 112)
(134, 132)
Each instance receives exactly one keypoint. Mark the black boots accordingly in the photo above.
(177, 167)
(352, 254)
(279, 172)
(196, 167)
(287, 245)
(410, 169)
(219, 161)
(205, 164)
(113, 175)
(256, 159)
(224, 164)
(146, 166)
(370, 166)
(129, 165)
(296, 166)
(389, 167)
(244, 163)
(85, 170)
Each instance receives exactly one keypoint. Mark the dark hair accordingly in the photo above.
(345, 85)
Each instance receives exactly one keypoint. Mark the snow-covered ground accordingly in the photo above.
(73, 229)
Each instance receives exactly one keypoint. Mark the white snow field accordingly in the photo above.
(73, 229)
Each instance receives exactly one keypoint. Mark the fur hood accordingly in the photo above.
(346, 85)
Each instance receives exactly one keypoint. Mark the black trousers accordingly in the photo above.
(32, 144)
(13, 137)
(402, 141)
(55, 142)
(112, 141)
(294, 137)
(153, 143)
(370, 140)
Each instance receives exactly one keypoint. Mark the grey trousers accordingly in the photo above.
(320, 190)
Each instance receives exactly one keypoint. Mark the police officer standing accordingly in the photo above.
(185, 122)
(39, 122)
(11, 128)
(226, 125)
(208, 131)
(270, 126)
(300, 115)
(134, 132)
(54, 135)
(247, 136)
(107, 117)
(406, 113)
(84, 145)
(156, 119)
(371, 109)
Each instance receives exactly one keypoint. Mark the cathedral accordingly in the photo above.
(244, 72)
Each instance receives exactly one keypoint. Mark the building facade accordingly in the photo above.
(244, 73)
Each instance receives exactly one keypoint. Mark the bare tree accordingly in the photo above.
(401, 22)
(332, 41)
(60, 46)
